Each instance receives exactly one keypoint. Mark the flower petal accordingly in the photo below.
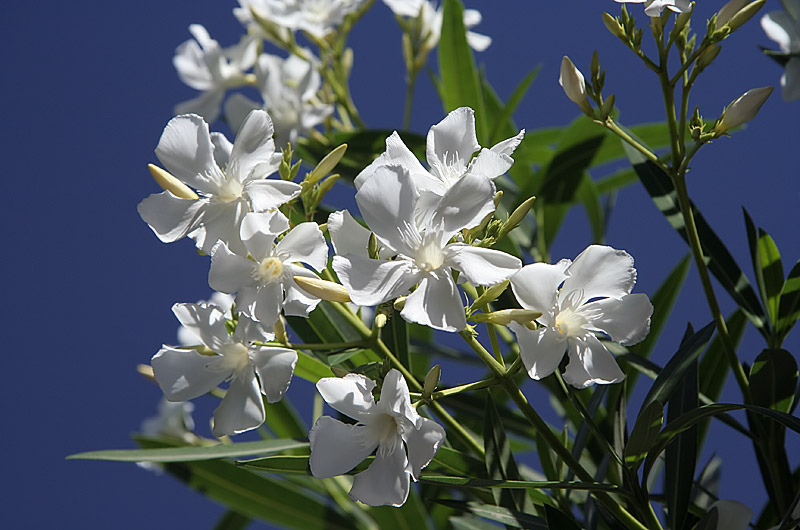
(481, 266)
(396, 154)
(464, 205)
(186, 151)
(436, 303)
(170, 217)
(541, 349)
(508, 146)
(182, 374)
(266, 305)
(237, 107)
(626, 321)
(266, 194)
(204, 321)
(387, 201)
(423, 443)
(453, 139)
(220, 222)
(385, 482)
(347, 235)
(252, 147)
(395, 396)
(205, 105)
(536, 287)
(304, 243)
(296, 301)
(229, 272)
(600, 271)
(222, 149)
(371, 281)
(274, 367)
(336, 447)
(242, 408)
(790, 80)
(591, 363)
(259, 230)
(351, 395)
(490, 164)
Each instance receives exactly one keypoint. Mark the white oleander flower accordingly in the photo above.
(174, 419)
(572, 81)
(316, 17)
(594, 296)
(265, 283)
(187, 337)
(204, 65)
(230, 181)
(403, 441)
(185, 374)
(289, 90)
(430, 18)
(784, 28)
(732, 515)
(449, 148)
(424, 254)
(653, 8)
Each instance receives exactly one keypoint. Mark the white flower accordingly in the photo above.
(289, 88)
(732, 515)
(316, 17)
(405, 441)
(430, 18)
(203, 65)
(244, 14)
(224, 302)
(174, 419)
(784, 28)
(449, 148)
(230, 180)
(595, 296)
(424, 255)
(653, 8)
(571, 79)
(743, 109)
(185, 374)
(264, 284)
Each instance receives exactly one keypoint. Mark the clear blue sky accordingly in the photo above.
(88, 87)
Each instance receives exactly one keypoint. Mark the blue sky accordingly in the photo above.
(89, 87)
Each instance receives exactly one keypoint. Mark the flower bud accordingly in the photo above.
(323, 289)
(399, 303)
(737, 18)
(730, 9)
(431, 381)
(489, 295)
(380, 320)
(327, 164)
(170, 183)
(506, 316)
(571, 79)
(614, 26)
(742, 109)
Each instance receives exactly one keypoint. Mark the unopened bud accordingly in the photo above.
(399, 303)
(489, 295)
(506, 316)
(171, 184)
(431, 381)
(380, 320)
(497, 197)
(372, 247)
(739, 17)
(571, 79)
(327, 164)
(280, 331)
(614, 26)
(608, 105)
(323, 289)
(730, 9)
(707, 58)
(517, 216)
(743, 109)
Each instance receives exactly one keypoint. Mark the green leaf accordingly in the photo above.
(500, 464)
(460, 82)
(558, 520)
(644, 433)
(465, 482)
(395, 336)
(669, 378)
(497, 513)
(681, 455)
(674, 428)
(469, 522)
(310, 368)
(412, 515)
(192, 453)
(663, 301)
(720, 261)
(589, 196)
(279, 464)
(789, 307)
(773, 379)
(231, 520)
(767, 266)
(503, 120)
(454, 461)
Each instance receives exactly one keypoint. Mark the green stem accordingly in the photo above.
(550, 439)
(627, 138)
(328, 346)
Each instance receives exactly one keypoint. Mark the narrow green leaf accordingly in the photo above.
(191, 453)
(279, 464)
(454, 461)
(789, 307)
(497, 513)
(310, 368)
(470, 522)
(558, 520)
(231, 520)
(500, 464)
(589, 197)
(516, 484)
(772, 270)
(644, 433)
(709, 521)
(460, 82)
(669, 378)
(681, 455)
(395, 335)
(503, 120)
(412, 515)
(720, 261)
(773, 379)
